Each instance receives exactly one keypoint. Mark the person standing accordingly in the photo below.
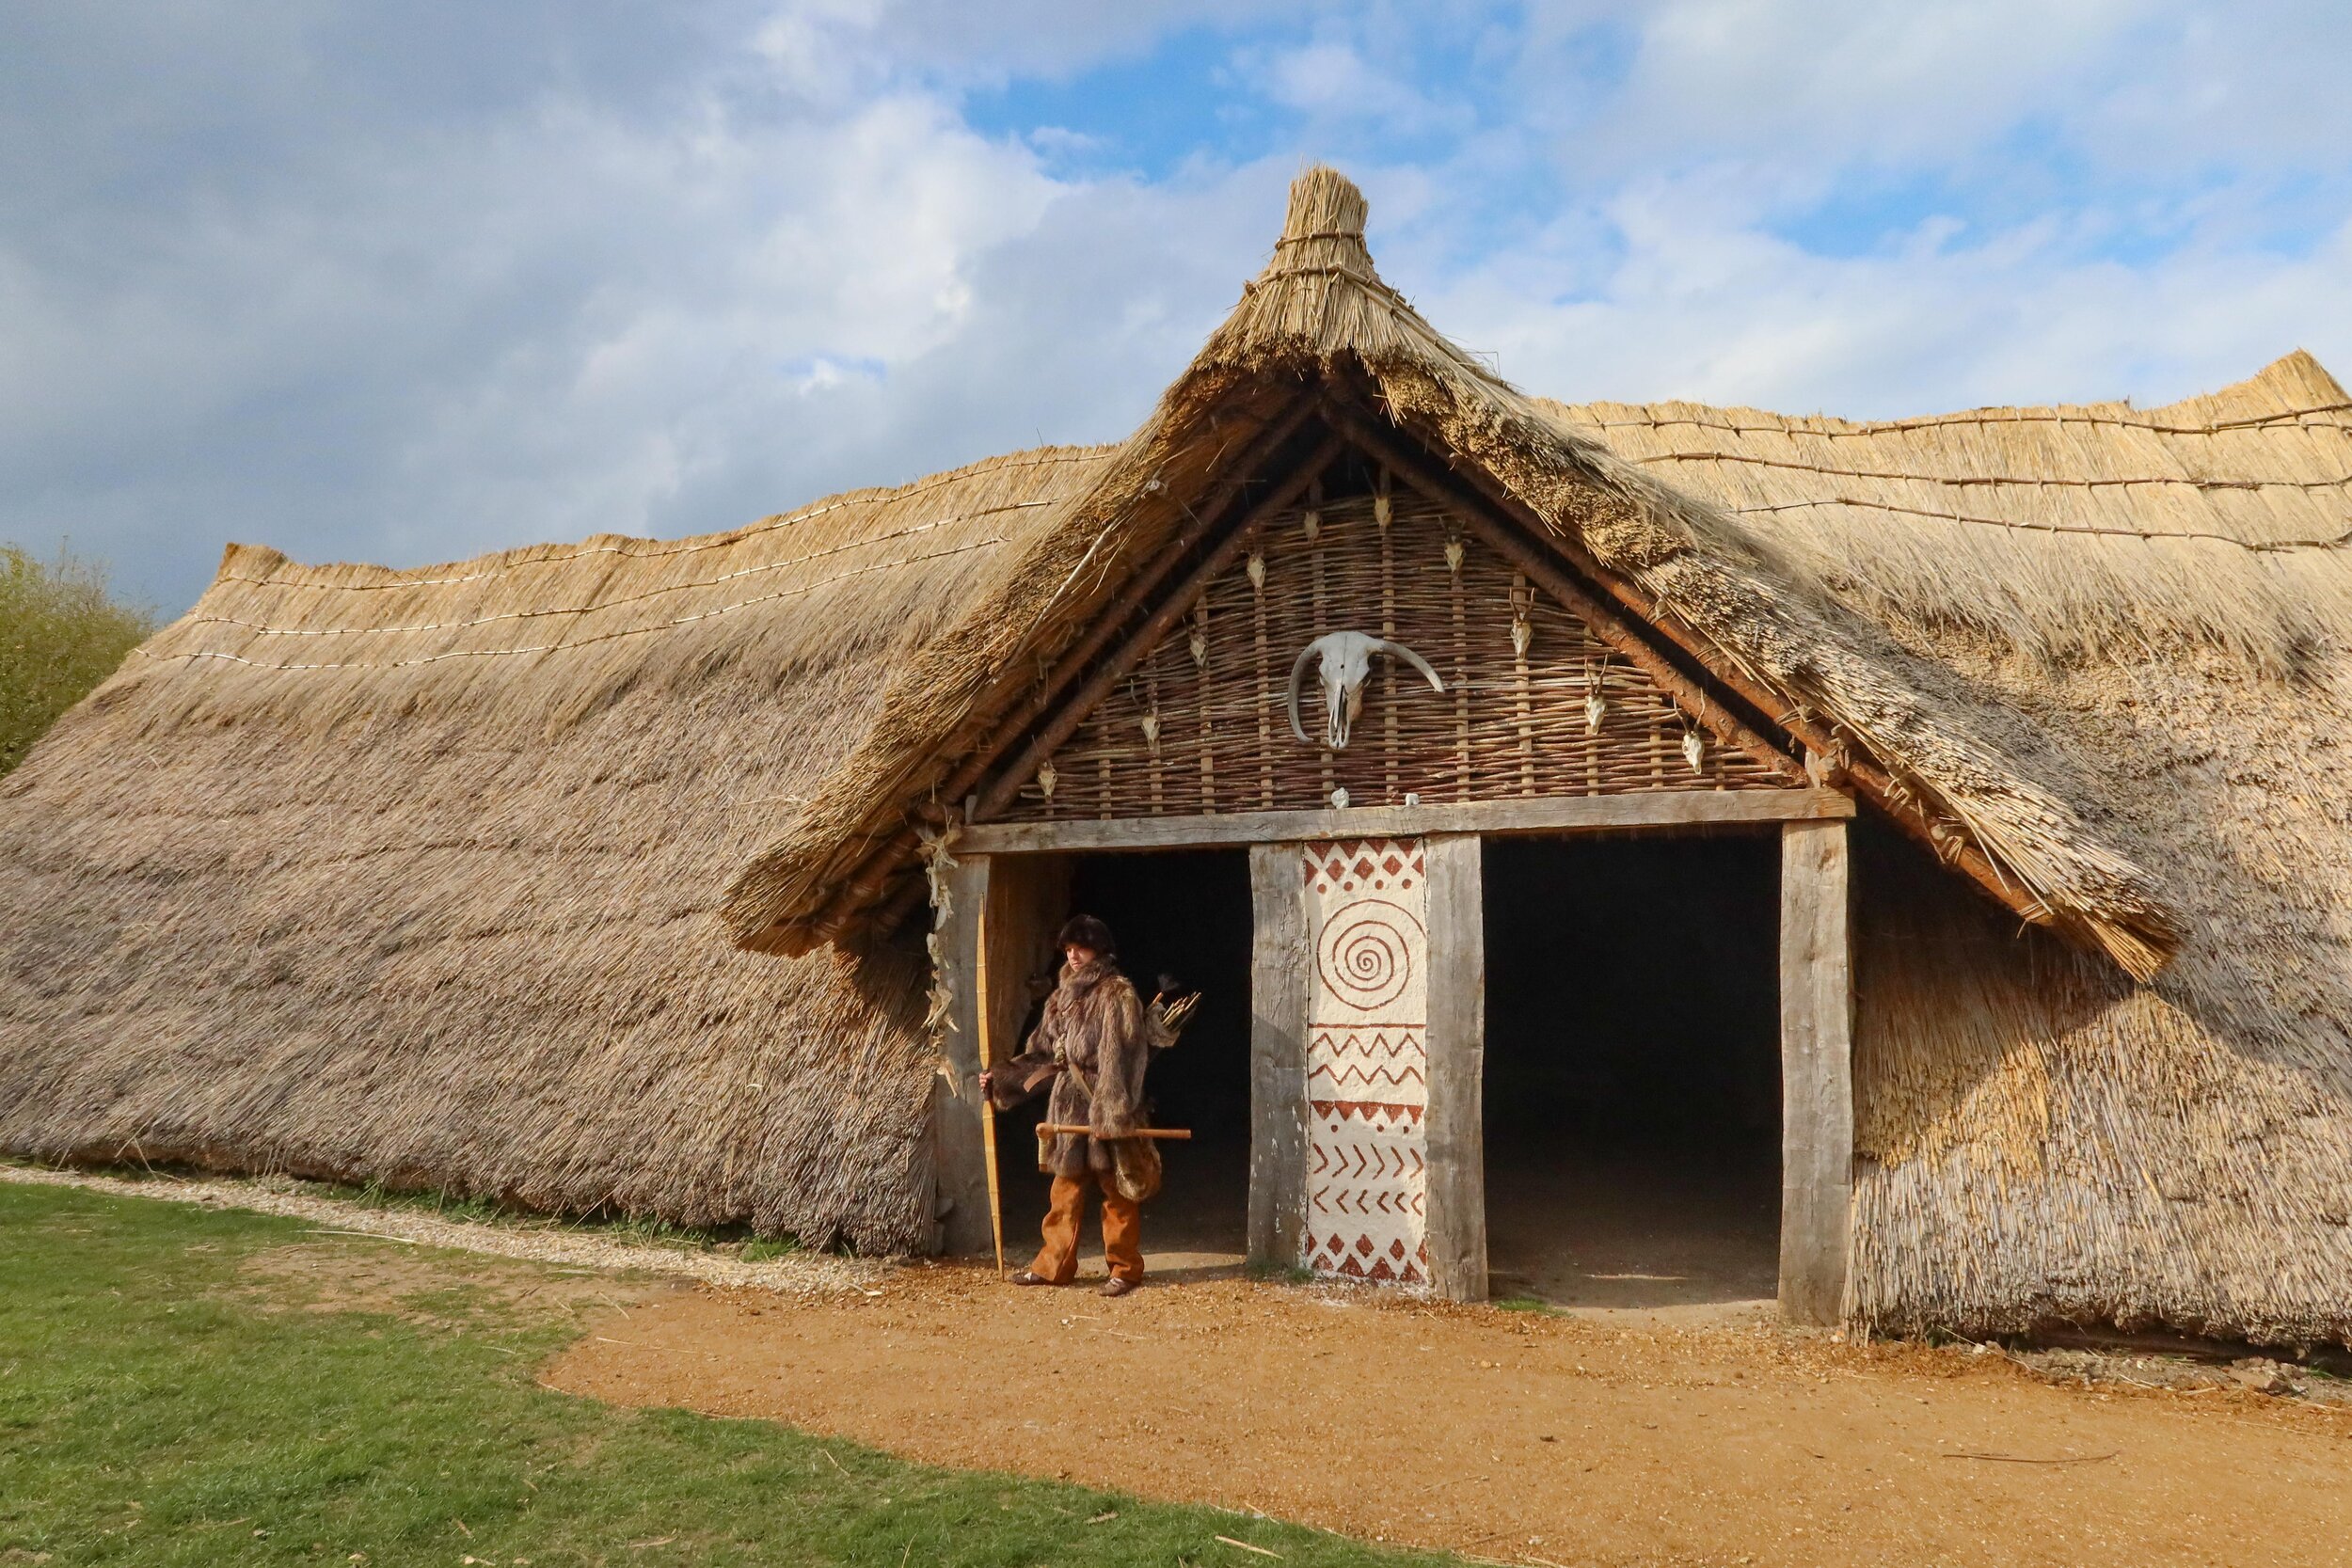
(1092, 1045)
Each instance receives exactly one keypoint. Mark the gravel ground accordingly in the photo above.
(540, 1240)
(1521, 1437)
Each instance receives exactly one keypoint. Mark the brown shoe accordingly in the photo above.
(1027, 1278)
(1117, 1286)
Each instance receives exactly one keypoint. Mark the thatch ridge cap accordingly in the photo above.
(284, 571)
(2297, 372)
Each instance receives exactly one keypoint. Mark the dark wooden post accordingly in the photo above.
(1280, 970)
(960, 1170)
(1816, 1071)
(1455, 1119)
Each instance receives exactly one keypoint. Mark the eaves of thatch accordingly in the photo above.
(1968, 775)
(2163, 595)
(405, 876)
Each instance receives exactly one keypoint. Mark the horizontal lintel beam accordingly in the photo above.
(1552, 814)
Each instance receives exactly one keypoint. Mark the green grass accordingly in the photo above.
(162, 1403)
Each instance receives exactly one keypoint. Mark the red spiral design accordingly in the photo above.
(1365, 955)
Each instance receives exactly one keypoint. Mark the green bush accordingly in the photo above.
(60, 634)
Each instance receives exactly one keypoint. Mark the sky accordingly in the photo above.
(409, 282)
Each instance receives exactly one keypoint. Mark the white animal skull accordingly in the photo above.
(1346, 657)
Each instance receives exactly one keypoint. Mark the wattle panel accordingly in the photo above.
(1368, 1059)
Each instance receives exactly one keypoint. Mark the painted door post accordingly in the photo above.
(1279, 973)
(1816, 1071)
(1458, 1069)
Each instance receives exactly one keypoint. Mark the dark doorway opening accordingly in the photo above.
(1185, 915)
(1632, 1087)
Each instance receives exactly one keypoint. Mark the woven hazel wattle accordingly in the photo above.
(1190, 733)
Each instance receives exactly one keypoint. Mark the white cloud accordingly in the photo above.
(410, 288)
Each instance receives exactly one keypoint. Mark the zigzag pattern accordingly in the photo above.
(1394, 1077)
(1408, 1038)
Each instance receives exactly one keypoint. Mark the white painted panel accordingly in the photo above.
(1368, 1058)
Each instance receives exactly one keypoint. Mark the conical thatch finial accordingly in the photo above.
(1325, 203)
(1325, 224)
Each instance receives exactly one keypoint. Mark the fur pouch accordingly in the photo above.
(1135, 1168)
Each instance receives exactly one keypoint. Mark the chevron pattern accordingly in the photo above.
(1368, 1060)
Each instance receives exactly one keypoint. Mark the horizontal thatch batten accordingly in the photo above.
(2096, 530)
(406, 874)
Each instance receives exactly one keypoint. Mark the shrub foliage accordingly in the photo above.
(61, 632)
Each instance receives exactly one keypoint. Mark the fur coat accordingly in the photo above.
(1093, 1044)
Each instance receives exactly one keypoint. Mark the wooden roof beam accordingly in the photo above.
(1877, 785)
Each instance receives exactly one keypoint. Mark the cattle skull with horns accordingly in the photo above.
(1346, 657)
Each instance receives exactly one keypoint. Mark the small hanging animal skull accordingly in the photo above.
(1045, 779)
(1453, 555)
(1346, 661)
(1596, 709)
(1199, 646)
(1522, 633)
(1257, 571)
(1694, 751)
(1152, 731)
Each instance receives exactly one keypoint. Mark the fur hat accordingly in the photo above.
(1084, 930)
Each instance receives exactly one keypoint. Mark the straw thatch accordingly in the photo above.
(2165, 596)
(405, 875)
(2095, 530)
(1962, 772)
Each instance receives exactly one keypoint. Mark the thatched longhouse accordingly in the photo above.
(406, 877)
(694, 879)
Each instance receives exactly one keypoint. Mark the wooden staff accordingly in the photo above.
(1049, 1128)
(987, 1101)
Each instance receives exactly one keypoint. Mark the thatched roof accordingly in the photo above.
(407, 875)
(2092, 529)
(1964, 772)
(2165, 595)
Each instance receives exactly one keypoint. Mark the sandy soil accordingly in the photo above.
(1511, 1436)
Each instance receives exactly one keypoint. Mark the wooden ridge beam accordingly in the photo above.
(868, 885)
(1874, 781)
(1606, 622)
(1114, 669)
(1020, 715)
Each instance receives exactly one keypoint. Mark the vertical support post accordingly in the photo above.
(959, 1162)
(1815, 1070)
(1458, 1069)
(1280, 970)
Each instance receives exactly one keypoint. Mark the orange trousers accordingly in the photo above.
(1123, 1231)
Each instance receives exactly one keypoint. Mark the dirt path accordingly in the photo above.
(1507, 1435)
